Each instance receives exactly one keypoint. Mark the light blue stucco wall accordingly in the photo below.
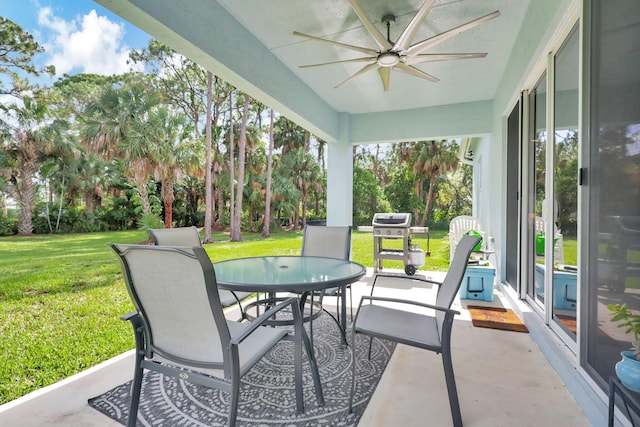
(444, 121)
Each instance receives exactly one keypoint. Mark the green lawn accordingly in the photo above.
(61, 297)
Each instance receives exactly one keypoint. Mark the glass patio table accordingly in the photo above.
(303, 275)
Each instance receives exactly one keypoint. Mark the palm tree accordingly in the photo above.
(288, 136)
(285, 195)
(164, 137)
(304, 173)
(108, 127)
(429, 160)
(90, 177)
(28, 135)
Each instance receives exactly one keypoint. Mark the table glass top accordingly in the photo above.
(299, 272)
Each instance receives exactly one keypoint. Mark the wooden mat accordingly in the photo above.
(569, 322)
(496, 318)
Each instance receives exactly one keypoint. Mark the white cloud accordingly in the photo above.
(86, 44)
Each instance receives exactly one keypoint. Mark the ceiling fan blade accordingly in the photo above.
(378, 37)
(421, 46)
(408, 69)
(409, 33)
(346, 61)
(363, 70)
(433, 57)
(385, 74)
(344, 45)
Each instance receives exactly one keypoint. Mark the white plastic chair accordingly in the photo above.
(461, 225)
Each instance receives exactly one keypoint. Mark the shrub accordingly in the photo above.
(8, 224)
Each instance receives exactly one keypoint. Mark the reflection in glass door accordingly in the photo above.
(565, 186)
(536, 191)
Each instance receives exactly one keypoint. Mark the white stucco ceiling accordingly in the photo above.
(273, 22)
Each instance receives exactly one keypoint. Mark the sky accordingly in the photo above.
(79, 36)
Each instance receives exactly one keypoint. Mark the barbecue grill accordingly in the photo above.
(396, 226)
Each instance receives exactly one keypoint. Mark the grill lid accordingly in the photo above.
(392, 219)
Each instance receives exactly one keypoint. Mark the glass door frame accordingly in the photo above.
(526, 287)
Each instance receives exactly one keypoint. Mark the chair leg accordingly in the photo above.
(353, 371)
(243, 315)
(314, 367)
(335, 318)
(337, 321)
(451, 389)
(136, 388)
(310, 318)
(297, 363)
(233, 404)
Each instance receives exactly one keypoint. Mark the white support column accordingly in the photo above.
(339, 184)
(340, 179)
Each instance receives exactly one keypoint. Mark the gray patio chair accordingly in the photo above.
(181, 331)
(189, 237)
(427, 331)
(329, 242)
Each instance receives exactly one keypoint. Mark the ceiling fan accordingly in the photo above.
(401, 55)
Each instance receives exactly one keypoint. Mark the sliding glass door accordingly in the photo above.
(536, 192)
(551, 191)
(565, 186)
(612, 181)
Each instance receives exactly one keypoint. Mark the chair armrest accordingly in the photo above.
(395, 276)
(408, 302)
(260, 320)
(133, 317)
(129, 315)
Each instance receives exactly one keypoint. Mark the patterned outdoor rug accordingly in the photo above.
(266, 392)
(496, 318)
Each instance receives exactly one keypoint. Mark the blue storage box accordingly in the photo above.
(477, 283)
(565, 292)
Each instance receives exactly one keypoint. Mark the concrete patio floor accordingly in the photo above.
(503, 379)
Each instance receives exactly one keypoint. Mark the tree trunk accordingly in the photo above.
(432, 182)
(296, 216)
(304, 207)
(208, 198)
(140, 177)
(167, 197)
(242, 143)
(90, 200)
(26, 193)
(141, 187)
(220, 204)
(266, 222)
(307, 141)
(232, 178)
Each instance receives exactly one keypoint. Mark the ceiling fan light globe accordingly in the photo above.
(388, 59)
